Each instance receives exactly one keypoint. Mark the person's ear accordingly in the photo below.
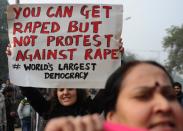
(110, 116)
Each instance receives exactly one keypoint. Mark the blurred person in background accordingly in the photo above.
(24, 113)
(2, 113)
(10, 108)
(178, 91)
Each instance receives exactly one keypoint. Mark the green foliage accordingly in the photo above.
(128, 57)
(173, 42)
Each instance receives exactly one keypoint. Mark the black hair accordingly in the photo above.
(81, 95)
(113, 84)
(177, 84)
(7, 89)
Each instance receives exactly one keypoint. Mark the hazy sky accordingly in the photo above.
(143, 33)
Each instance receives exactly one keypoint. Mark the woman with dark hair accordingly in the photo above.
(65, 102)
(116, 79)
(138, 95)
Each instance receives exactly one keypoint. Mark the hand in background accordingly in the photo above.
(85, 123)
(8, 50)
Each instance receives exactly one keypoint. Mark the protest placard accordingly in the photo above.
(72, 45)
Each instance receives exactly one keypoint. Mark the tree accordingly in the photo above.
(173, 42)
(128, 56)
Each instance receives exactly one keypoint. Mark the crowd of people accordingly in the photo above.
(15, 110)
(139, 94)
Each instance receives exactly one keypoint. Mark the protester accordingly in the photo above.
(2, 113)
(65, 102)
(178, 91)
(10, 112)
(138, 95)
(8, 84)
(24, 113)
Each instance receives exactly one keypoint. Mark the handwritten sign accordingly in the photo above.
(74, 46)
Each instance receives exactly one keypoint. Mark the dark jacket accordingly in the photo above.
(9, 109)
(180, 98)
(51, 109)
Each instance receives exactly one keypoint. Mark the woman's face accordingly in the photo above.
(147, 100)
(66, 96)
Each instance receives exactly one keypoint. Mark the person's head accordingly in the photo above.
(69, 96)
(140, 94)
(177, 88)
(7, 82)
(8, 91)
(3, 85)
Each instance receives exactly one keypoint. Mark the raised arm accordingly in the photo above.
(36, 100)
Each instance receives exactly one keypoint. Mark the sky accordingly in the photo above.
(145, 29)
(144, 32)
